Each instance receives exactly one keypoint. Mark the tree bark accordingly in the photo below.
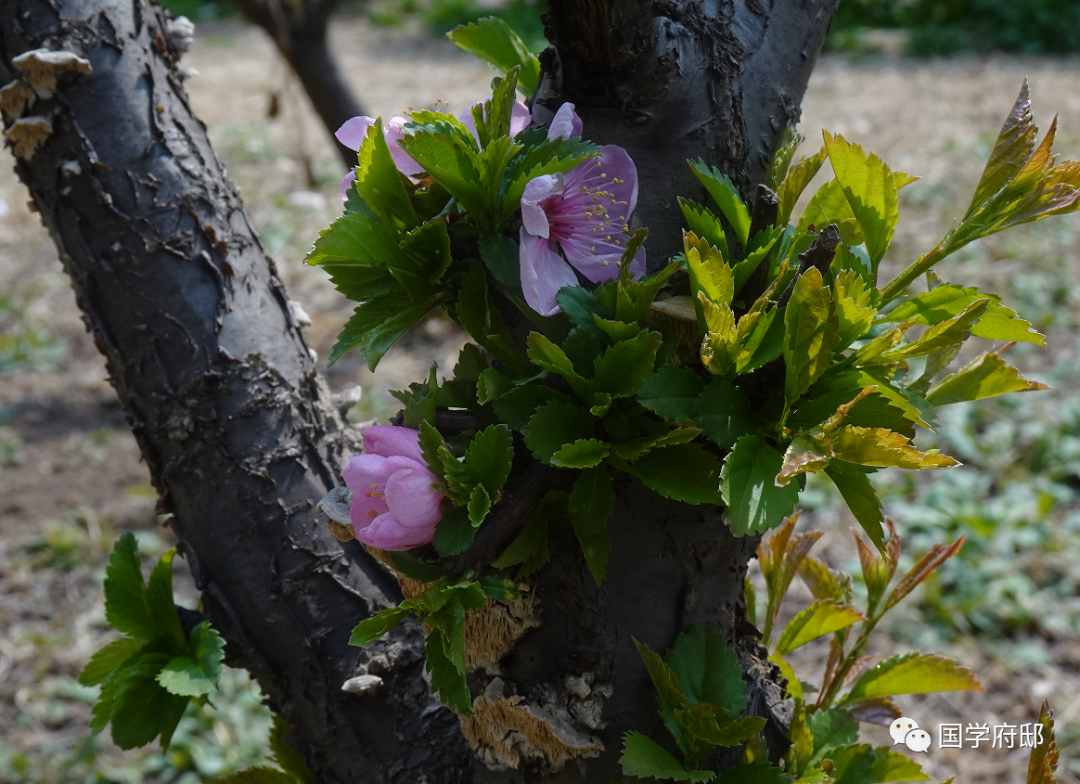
(238, 428)
(299, 30)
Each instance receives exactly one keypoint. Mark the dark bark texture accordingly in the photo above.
(299, 29)
(239, 431)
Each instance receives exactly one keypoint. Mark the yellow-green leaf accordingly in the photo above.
(798, 177)
(805, 455)
(809, 334)
(709, 272)
(875, 446)
(870, 189)
(1044, 756)
(851, 305)
(912, 673)
(820, 618)
(1013, 146)
(985, 376)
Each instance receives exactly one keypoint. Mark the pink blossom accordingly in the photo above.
(395, 497)
(584, 213)
(520, 119)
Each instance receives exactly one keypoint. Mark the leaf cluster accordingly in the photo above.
(149, 676)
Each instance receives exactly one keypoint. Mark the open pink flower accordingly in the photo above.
(395, 505)
(584, 213)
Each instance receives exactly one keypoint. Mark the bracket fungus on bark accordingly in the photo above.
(27, 134)
(16, 97)
(45, 67)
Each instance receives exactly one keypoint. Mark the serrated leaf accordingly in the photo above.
(450, 157)
(477, 313)
(810, 334)
(831, 728)
(985, 376)
(494, 41)
(583, 453)
(380, 623)
(723, 413)
(820, 618)
(356, 242)
(893, 766)
(703, 223)
(183, 677)
(645, 758)
(378, 182)
(412, 567)
(622, 369)
(789, 141)
(806, 454)
(489, 457)
(710, 273)
(862, 500)
(636, 448)
(1014, 144)
(703, 725)
(159, 600)
(883, 448)
(934, 557)
(108, 659)
(445, 678)
(825, 583)
(454, 533)
(946, 301)
(870, 189)
(552, 156)
(669, 693)
(798, 177)
(1042, 763)
(141, 707)
(479, 505)
(596, 549)
(553, 359)
(747, 482)
(502, 257)
(912, 673)
(377, 324)
(672, 393)
(876, 710)
(553, 426)
(708, 669)
(682, 472)
(592, 501)
(945, 335)
(727, 197)
(851, 305)
(125, 593)
(428, 245)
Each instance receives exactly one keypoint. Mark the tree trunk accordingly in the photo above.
(238, 429)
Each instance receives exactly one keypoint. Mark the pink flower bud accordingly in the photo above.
(395, 497)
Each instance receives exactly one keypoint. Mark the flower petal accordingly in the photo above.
(412, 499)
(405, 163)
(363, 470)
(520, 118)
(365, 508)
(538, 189)
(565, 124)
(387, 440)
(387, 533)
(353, 131)
(346, 184)
(543, 273)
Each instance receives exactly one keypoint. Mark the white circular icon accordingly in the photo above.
(917, 740)
(900, 728)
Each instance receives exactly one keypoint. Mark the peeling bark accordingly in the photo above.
(241, 438)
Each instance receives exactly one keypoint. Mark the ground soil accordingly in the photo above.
(70, 458)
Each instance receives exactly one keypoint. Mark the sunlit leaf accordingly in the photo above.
(644, 758)
(809, 334)
(870, 189)
(912, 673)
(820, 618)
(985, 376)
(882, 448)
(754, 502)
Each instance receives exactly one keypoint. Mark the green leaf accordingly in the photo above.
(636, 448)
(831, 729)
(870, 190)
(985, 376)
(592, 501)
(1012, 148)
(366, 632)
(182, 676)
(851, 306)
(825, 583)
(912, 673)
(141, 707)
(477, 313)
(489, 457)
(644, 758)
(159, 600)
(634, 299)
(479, 505)
(553, 426)
(494, 41)
(622, 369)
(446, 679)
(414, 567)
(798, 177)
(754, 502)
(700, 721)
(703, 223)
(517, 406)
(708, 669)
(554, 360)
(709, 271)
(501, 255)
(789, 141)
(285, 756)
(428, 245)
(669, 694)
(894, 766)
(1043, 761)
(376, 325)
(931, 560)
(361, 282)
(125, 593)
(379, 183)
(107, 659)
(723, 413)
(863, 502)
(448, 153)
(596, 549)
(723, 190)
(553, 156)
(357, 240)
(683, 472)
(945, 335)
(530, 547)
(810, 334)
(882, 448)
(817, 620)
(943, 302)
(454, 533)
(583, 453)
(491, 384)
(672, 393)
